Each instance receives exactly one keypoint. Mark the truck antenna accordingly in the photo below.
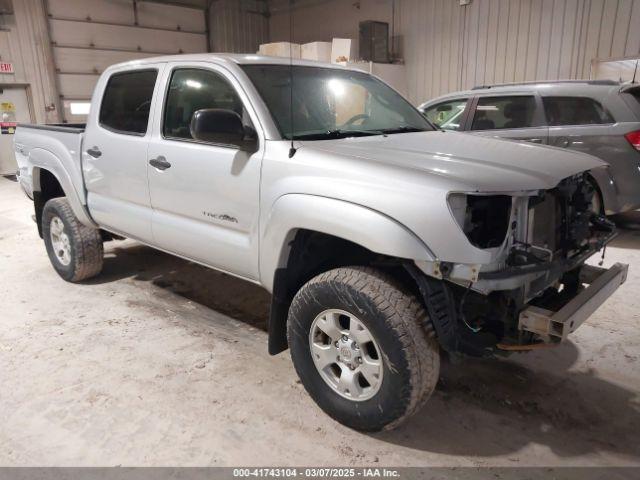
(292, 149)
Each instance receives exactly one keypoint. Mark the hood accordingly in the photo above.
(469, 161)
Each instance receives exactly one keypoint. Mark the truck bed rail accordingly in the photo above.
(56, 127)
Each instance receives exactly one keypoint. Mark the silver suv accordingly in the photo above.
(598, 117)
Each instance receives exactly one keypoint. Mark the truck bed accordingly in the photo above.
(55, 147)
(56, 127)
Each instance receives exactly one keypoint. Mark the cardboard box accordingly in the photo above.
(318, 51)
(343, 50)
(280, 49)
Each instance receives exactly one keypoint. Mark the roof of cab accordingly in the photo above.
(227, 58)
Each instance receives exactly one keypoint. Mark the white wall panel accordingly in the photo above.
(118, 11)
(238, 26)
(77, 87)
(81, 60)
(171, 16)
(101, 36)
(317, 20)
(447, 46)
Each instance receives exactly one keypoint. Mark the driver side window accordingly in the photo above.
(192, 89)
(447, 115)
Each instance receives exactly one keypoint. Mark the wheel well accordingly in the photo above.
(49, 188)
(312, 253)
(596, 187)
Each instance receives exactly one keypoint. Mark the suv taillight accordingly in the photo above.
(634, 139)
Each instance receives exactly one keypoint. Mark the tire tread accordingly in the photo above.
(404, 314)
(87, 242)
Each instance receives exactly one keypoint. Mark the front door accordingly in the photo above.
(114, 152)
(205, 196)
(14, 107)
(516, 117)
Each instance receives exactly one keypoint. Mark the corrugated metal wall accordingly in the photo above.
(450, 47)
(447, 46)
(238, 26)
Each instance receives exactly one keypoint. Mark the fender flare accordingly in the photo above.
(363, 226)
(368, 228)
(41, 159)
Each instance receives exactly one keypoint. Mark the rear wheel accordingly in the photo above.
(360, 347)
(75, 250)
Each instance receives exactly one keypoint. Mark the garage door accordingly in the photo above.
(89, 35)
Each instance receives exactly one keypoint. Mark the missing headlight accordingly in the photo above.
(483, 218)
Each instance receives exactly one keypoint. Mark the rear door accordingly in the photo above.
(114, 151)
(514, 116)
(584, 124)
(578, 123)
(205, 196)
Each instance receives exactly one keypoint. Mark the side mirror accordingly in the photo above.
(217, 125)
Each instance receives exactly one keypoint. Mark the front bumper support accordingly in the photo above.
(556, 326)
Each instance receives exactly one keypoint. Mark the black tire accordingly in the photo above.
(396, 320)
(86, 249)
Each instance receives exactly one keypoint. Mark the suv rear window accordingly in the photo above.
(494, 113)
(127, 101)
(574, 111)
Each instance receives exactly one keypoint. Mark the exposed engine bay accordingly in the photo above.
(541, 242)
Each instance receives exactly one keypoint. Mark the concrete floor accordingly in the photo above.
(162, 362)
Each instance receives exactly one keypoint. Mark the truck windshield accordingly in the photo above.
(332, 103)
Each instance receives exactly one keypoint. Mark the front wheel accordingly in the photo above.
(75, 250)
(363, 348)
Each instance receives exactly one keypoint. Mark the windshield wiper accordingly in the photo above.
(337, 133)
(402, 129)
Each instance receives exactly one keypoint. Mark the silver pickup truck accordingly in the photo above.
(383, 240)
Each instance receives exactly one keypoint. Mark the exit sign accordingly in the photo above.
(6, 67)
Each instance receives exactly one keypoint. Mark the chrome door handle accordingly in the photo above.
(160, 163)
(94, 152)
(535, 140)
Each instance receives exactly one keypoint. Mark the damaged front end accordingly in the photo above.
(536, 289)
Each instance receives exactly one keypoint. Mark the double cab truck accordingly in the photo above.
(385, 241)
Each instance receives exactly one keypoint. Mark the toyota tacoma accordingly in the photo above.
(384, 241)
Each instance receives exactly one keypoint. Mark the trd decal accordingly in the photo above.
(220, 216)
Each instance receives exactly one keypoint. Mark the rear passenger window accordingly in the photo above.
(504, 112)
(447, 115)
(193, 89)
(127, 101)
(574, 111)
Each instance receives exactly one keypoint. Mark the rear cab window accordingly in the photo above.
(561, 111)
(126, 102)
(447, 115)
(504, 112)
